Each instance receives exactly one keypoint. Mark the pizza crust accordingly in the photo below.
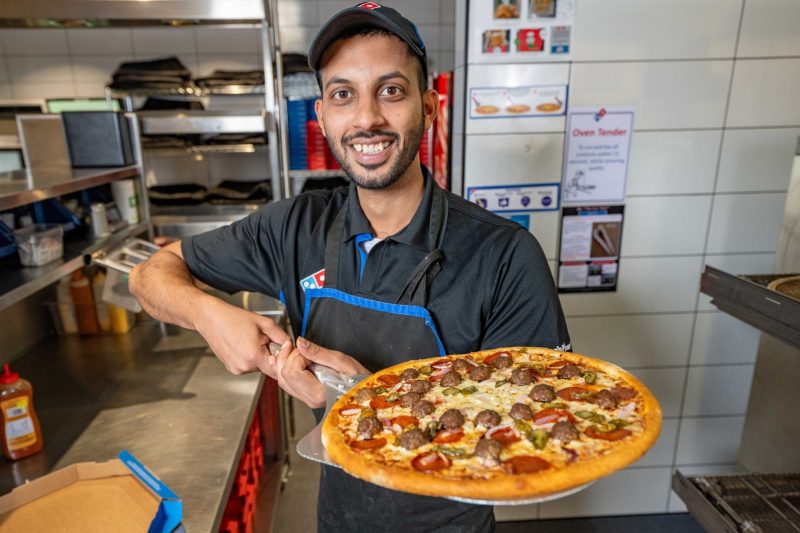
(366, 465)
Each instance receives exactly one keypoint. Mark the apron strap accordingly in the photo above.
(415, 291)
(333, 245)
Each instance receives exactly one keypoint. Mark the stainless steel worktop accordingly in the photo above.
(172, 404)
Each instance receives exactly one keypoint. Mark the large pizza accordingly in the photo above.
(502, 425)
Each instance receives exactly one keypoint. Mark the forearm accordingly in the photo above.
(167, 291)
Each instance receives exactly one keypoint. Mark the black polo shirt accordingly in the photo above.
(495, 288)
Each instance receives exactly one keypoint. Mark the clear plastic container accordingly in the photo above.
(40, 244)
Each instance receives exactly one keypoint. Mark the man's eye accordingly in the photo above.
(392, 91)
(341, 94)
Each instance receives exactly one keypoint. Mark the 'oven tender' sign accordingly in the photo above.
(598, 150)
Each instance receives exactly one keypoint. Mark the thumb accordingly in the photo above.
(272, 330)
(318, 354)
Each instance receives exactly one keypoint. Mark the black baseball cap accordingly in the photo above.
(366, 14)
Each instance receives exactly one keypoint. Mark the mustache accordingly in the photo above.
(368, 135)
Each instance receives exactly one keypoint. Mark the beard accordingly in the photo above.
(398, 166)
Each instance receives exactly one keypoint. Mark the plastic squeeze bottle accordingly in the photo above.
(80, 289)
(22, 435)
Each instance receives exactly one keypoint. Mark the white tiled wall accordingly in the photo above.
(714, 85)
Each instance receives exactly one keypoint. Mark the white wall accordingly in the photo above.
(714, 84)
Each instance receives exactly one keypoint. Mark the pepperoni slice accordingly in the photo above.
(406, 420)
(624, 393)
(558, 364)
(367, 444)
(542, 417)
(442, 363)
(389, 379)
(616, 434)
(573, 394)
(506, 435)
(525, 464)
(448, 435)
(489, 359)
(380, 402)
(350, 409)
(429, 461)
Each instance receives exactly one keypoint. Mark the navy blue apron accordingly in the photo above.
(380, 334)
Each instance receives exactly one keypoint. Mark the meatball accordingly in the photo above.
(365, 395)
(409, 373)
(564, 431)
(451, 379)
(480, 373)
(542, 393)
(569, 372)
(409, 399)
(606, 399)
(623, 393)
(452, 419)
(422, 408)
(420, 386)
(488, 450)
(520, 411)
(368, 427)
(413, 439)
(487, 418)
(462, 365)
(521, 376)
(504, 361)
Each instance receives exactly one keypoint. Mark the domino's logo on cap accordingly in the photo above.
(369, 5)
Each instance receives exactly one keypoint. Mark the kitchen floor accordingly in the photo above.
(297, 503)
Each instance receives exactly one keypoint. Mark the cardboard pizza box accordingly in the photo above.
(119, 495)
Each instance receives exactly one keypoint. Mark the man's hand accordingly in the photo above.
(294, 377)
(239, 338)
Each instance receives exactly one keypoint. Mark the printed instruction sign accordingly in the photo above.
(516, 198)
(590, 246)
(597, 154)
(517, 102)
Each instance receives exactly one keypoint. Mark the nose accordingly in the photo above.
(368, 114)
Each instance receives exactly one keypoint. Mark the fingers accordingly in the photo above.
(272, 330)
(295, 379)
(331, 358)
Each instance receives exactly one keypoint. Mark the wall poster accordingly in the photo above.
(590, 247)
(598, 149)
(516, 198)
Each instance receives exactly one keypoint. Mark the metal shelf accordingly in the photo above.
(755, 304)
(300, 174)
(17, 284)
(192, 122)
(243, 148)
(192, 90)
(21, 187)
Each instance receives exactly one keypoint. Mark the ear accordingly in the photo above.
(318, 111)
(430, 106)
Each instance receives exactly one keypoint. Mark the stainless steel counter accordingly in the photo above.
(177, 410)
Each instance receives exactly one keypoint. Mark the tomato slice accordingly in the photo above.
(350, 409)
(545, 413)
(367, 444)
(448, 435)
(406, 420)
(380, 402)
(616, 434)
(506, 435)
(525, 464)
(429, 461)
(389, 379)
(573, 394)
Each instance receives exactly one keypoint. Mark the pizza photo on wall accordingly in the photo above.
(494, 426)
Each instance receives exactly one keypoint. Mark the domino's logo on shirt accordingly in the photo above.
(314, 281)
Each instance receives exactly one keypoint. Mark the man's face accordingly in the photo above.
(371, 110)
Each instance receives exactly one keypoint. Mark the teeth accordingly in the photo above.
(371, 148)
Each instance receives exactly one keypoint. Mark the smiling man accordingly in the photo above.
(388, 269)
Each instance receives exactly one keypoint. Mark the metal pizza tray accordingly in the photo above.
(310, 447)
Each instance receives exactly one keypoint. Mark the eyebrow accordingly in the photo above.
(381, 79)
